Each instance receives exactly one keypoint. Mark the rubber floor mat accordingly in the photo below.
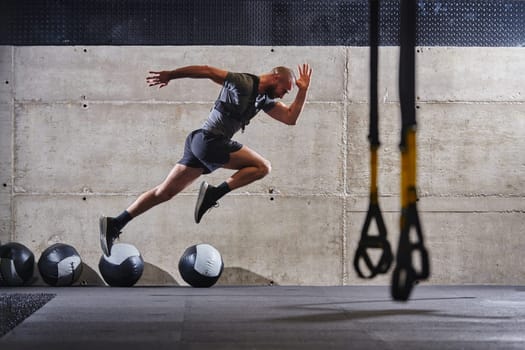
(16, 307)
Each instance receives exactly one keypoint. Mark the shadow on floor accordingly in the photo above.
(155, 276)
(237, 276)
(342, 315)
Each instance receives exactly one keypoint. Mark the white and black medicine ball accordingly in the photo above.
(124, 267)
(17, 263)
(201, 265)
(60, 265)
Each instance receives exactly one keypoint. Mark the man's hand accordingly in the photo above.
(159, 78)
(290, 114)
(305, 73)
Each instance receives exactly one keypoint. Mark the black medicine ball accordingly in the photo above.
(124, 267)
(60, 265)
(16, 264)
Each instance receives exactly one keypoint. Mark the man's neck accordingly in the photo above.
(265, 82)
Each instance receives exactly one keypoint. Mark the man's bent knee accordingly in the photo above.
(265, 167)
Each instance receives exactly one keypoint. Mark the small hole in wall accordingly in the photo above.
(5, 185)
(85, 50)
(84, 198)
(7, 81)
(271, 198)
(85, 105)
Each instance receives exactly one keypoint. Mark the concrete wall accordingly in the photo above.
(81, 134)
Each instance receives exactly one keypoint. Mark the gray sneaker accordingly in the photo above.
(108, 233)
(204, 201)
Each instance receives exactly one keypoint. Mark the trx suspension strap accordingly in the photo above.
(374, 212)
(405, 274)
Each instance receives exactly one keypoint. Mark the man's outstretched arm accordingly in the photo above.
(162, 78)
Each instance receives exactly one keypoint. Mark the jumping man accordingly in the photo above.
(211, 147)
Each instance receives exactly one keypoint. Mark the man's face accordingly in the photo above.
(282, 85)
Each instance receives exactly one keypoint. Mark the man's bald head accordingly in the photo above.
(285, 75)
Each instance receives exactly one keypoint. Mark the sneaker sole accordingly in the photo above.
(103, 225)
(200, 199)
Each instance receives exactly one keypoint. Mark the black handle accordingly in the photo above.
(368, 242)
(405, 275)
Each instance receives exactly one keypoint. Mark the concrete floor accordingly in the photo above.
(278, 317)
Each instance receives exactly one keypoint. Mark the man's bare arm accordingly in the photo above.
(289, 114)
(162, 78)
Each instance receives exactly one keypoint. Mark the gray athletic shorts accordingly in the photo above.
(207, 151)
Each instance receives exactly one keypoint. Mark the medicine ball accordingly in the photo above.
(60, 265)
(124, 267)
(16, 264)
(201, 265)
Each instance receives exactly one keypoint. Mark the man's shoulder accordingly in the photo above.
(240, 78)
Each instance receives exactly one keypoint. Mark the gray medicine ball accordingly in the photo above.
(201, 265)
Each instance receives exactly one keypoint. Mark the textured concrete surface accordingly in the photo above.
(464, 150)
(444, 74)
(118, 73)
(53, 157)
(81, 134)
(6, 141)
(473, 317)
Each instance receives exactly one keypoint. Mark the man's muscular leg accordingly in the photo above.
(177, 180)
(250, 167)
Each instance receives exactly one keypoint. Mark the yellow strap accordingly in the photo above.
(408, 169)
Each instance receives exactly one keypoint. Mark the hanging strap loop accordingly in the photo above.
(405, 275)
(368, 242)
(379, 241)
